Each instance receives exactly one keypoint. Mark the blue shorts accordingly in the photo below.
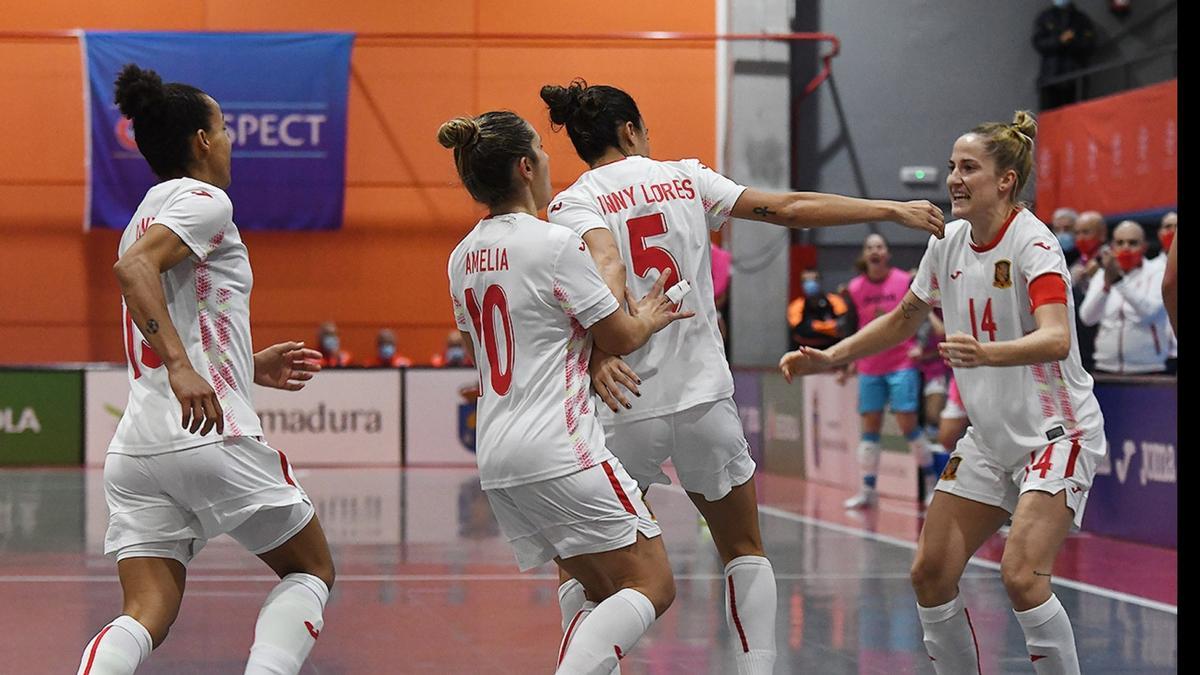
(901, 388)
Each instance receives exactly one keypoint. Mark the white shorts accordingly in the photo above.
(975, 472)
(936, 385)
(705, 443)
(591, 511)
(169, 505)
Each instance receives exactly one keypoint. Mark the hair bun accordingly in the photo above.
(139, 92)
(1026, 123)
(563, 102)
(459, 133)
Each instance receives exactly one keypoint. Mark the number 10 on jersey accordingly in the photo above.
(484, 319)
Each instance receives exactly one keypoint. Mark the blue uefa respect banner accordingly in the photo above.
(1135, 494)
(284, 99)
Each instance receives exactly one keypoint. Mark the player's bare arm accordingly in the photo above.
(287, 365)
(623, 332)
(881, 334)
(818, 209)
(1051, 341)
(138, 272)
(611, 376)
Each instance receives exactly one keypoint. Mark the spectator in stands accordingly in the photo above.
(1125, 298)
(330, 344)
(1063, 226)
(1091, 233)
(454, 354)
(1065, 37)
(1166, 231)
(1166, 237)
(1170, 287)
(386, 355)
(817, 318)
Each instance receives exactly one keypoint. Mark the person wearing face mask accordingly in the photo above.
(817, 318)
(386, 355)
(1166, 237)
(1063, 226)
(455, 354)
(1037, 432)
(332, 354)
(1091, 237)
(1125, 299)
(1065, 37)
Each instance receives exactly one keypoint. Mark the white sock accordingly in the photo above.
(288, 625)
(1049, 638)
(750, 613)
(869, 454)
(919, 447)
(570, 600)
(611, 630)
(118, 649)
(950, 638)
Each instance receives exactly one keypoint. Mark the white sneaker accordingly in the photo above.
(865, 499)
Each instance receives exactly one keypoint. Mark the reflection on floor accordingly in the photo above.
(425, 585)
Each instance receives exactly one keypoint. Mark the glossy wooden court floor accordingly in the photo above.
(425, 585)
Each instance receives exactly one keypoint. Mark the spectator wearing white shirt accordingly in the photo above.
(1125, 298)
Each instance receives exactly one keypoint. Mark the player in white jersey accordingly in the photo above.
(640, 218)
(529, 300)
(1036, 433)
(171, 486)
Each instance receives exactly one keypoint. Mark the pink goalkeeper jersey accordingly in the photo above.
(873, 300)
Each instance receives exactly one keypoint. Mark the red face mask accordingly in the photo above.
(1166, 237)
(1128, 260)
(1087, 245)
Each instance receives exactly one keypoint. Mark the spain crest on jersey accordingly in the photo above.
(1003, 275)
(466, 416)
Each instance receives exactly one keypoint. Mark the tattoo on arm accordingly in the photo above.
(1041, 574)
(763, 211)
(151, 326)
(908, 307)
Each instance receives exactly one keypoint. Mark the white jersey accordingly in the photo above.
(984, 291)
(660, 214)
(527, 291)
(208, 299)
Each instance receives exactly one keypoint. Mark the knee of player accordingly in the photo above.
(157, 624)
(927, 574)
(663, 595)
(1020, 579)
(326, 572)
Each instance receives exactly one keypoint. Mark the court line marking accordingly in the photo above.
(976, 560)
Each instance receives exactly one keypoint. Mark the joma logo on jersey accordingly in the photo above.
(1003, 275)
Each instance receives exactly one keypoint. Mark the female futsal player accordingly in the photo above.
(1036, 432)
(888, 379)
(650, 218)
(529, 300)
(170, 485)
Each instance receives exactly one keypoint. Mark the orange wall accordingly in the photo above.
(404, 208)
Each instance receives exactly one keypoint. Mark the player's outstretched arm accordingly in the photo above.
(623, 332)
(883, 333)
(138, 272)
(818, 209)
(1050, 342)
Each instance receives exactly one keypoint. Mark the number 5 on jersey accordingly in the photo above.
(646, 257)
(484, 320)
